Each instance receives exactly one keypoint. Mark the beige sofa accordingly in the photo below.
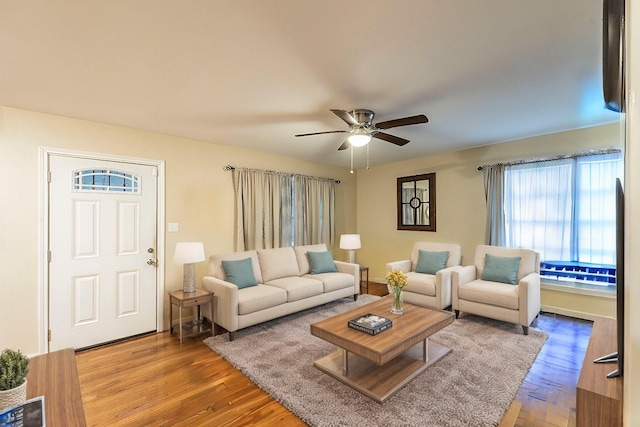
(516, 302)
(285, 285)
(428, 290)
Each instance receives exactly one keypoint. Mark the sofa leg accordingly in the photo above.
(355, 297)
(232, 335)
(457, 312)
(525, 330)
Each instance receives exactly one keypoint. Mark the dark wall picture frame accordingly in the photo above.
(417, 202)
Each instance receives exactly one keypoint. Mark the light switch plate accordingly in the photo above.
(173, 227)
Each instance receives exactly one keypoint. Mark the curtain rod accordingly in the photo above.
(231, 168)
(560, 157)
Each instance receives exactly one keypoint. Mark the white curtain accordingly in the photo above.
(322, 194)
(314, 206)
(564, 209)
(276, 209)
(286, 210)
(538, 206)
(258, 202)
(596, 201)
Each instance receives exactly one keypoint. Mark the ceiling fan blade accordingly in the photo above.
(346, 144)
(406, 121)
(344, 115)
(390, 138)
(322, 133)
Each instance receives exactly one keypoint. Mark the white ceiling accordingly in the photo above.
(252, 73)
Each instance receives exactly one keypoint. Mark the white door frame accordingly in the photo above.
(44, 154)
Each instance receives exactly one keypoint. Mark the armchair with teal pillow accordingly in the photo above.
(428, 273)
(503, 284)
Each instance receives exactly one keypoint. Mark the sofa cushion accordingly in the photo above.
(420, 283)
(321, 262)
(215, 263)
(500, 269)
(240, 273)
(301, 256)
(430, 262)
(492, 293)
(333, 281)
(277, 263)
(258, 298)
(297, 288)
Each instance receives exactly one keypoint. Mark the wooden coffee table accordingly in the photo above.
(380, 365)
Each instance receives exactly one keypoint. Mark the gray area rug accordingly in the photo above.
(472, 386)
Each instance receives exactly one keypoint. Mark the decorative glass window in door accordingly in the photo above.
(105, 180)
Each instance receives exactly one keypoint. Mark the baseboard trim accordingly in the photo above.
(569, 313)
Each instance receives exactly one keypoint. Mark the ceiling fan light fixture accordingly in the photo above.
(359, 138)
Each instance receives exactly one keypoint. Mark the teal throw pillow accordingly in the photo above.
(431, 262)
(321, 262)
(240, 273)
(500, 269)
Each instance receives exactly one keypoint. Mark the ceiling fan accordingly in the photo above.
(363, 129)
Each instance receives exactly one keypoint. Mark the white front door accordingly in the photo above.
(102, 269)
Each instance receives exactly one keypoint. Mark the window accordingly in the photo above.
(565, 209)
(275, 209)
(105, 180)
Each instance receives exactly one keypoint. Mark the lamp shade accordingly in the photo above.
(350, 241)
(189, 252)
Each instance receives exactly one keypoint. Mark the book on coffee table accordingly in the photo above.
(28, 414)
(370, 323)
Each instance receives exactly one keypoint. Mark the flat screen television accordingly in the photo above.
(618, 356)
(613, 54)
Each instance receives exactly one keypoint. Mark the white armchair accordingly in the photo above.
(483, 288)
(431, 288)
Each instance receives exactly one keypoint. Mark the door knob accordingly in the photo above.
(151, 261)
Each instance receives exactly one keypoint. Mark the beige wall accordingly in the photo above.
(581, 305)
(199, 196)
(631, 412)
(460, 204)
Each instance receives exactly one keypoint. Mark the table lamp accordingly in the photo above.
(350, 242)
(188, 253)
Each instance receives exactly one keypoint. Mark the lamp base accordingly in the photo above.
(352, 256)
(189, 278)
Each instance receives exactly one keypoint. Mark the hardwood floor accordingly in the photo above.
(152, 381)
(547, 397)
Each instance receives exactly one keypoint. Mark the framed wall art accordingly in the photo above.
(417, 202)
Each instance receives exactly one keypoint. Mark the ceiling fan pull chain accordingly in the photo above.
(367, 156)
(352, 159)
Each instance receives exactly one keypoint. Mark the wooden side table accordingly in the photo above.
(186, 300)
(364, 269)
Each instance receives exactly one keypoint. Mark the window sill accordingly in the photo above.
(577, 288)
